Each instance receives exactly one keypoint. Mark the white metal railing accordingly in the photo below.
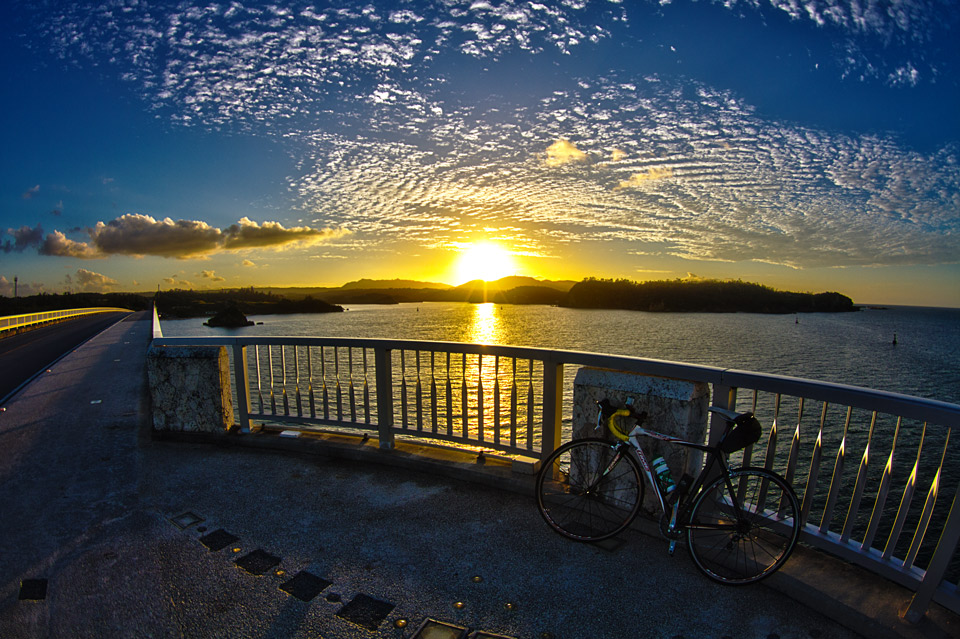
(157, 332)
(13, 322)
(517, 401)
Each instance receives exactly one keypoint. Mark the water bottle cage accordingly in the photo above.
(663, 476)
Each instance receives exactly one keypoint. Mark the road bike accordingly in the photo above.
(740, 524)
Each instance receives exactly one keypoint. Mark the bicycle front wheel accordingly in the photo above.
(588, 490)
(743, 527)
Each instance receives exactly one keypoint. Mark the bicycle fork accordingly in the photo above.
(672, 528)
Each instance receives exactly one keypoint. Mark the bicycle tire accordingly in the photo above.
(746, 552)
(581, 502)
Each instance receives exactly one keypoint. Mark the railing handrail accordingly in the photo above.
(10, 322)
(909, 406)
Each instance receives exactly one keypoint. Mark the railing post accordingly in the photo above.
(243, 386)
(552, 407)
(937, 568)
(383, 363)
(724, 397)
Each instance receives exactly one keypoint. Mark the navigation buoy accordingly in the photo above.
(894, 339)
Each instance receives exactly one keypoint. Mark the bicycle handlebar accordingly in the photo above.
(750, 428)
(610, 413)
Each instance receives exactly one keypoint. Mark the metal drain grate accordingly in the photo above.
(366, 612)
(433, 629)
(258, 562)
(218, 540)
(304, 586)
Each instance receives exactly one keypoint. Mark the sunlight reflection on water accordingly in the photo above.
(485, 328)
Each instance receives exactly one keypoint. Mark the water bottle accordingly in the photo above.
(664, 477)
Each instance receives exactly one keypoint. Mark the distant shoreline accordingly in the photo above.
(673, 296)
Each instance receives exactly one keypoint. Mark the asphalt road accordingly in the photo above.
(24, 355)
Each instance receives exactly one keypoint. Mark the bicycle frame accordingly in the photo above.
(678, 507)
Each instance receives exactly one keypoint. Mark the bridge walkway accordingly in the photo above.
(108, 532)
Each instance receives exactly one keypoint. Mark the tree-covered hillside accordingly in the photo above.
(711, 296)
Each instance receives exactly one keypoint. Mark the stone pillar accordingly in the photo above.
(673, 406)
(190, 388)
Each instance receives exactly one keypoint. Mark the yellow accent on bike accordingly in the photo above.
(614, 428)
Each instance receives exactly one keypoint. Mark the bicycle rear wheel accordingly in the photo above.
(741, 532)
(588, 491)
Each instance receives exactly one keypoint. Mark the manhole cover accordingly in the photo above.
(218, 540)
(366, 611)
(33, 589)
(258, 562)
(304, 586)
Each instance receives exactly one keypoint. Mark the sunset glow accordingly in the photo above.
(805, 145)
(484, 261)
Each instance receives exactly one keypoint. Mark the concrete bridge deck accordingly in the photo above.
(107, 532)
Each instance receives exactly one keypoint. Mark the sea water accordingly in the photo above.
(909, 350)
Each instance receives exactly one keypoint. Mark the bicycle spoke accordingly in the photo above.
(578, 500)
(743, 531)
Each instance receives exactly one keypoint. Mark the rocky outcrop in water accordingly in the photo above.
(230, 317)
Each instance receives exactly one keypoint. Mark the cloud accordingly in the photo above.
(22, 288)
(247, 263)
(174, 281)
(247, 234)
(30, 193)
(704, 178)
(213, 65)
(59, 245)
(135, 234)
(23, 238)
(654, 173)
(212, 276)
(563, 152)
(91, 282)
(139, 235)
(617, 154)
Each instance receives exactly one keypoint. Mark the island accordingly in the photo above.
(229, 317)
(702, 296)
(248, 301)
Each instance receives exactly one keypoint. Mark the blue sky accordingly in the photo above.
(804, 144)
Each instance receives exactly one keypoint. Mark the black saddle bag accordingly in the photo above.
(746, 430)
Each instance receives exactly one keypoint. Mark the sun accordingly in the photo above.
(484, 261)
